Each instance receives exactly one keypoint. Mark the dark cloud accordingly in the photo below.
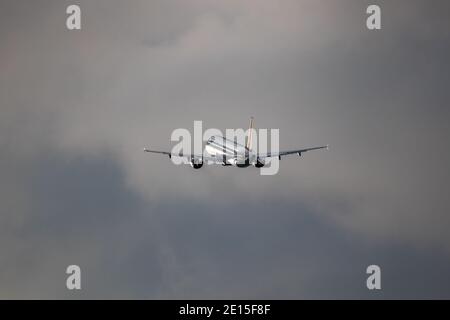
(77, 106)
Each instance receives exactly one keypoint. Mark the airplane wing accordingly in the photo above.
(186, 156)
(156, 151)
(285, 153)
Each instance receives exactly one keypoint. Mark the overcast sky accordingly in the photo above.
(76, 108)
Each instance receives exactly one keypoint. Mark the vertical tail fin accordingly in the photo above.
(250, 135)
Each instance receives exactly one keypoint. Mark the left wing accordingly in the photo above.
(188, 157)
(285, 153)
(156, 151)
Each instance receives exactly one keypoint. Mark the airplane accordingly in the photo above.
(220, 150)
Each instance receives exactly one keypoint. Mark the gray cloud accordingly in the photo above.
(76, 107)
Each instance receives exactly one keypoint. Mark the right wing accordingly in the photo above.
(285, 153)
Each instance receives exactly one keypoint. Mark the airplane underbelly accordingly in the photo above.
(213, 151)
(229, 157)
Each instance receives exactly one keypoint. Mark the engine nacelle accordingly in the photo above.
(238, 163)
(259, 163)
(196, 163)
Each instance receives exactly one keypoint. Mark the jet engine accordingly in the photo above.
(196, 163)
(259, 163)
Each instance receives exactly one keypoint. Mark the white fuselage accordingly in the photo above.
(228, 152)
